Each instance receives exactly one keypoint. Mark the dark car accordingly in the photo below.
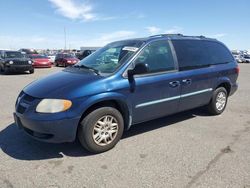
(65, 60)
(28, 51)
(15, 61)
(85, 53)
(125, 83)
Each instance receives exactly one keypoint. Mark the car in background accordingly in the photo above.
(247, 58)
(239, 57)
(63, 59)
(28, 51)
(52, 58)
(40, 61)
(85, 53)
(14, 61)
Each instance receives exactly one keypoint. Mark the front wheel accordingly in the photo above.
(100, 130)
(218, 102)
(31, 71)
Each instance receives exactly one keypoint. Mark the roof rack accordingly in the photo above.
(165, 35)
(177, 35)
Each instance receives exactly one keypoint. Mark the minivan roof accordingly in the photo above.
(173, 37)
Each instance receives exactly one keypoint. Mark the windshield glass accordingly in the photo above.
(109, 58)
(39, 57)
(14, 54)
(68, 56)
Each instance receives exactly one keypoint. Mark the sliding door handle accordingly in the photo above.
(187, 81)
(174, 84)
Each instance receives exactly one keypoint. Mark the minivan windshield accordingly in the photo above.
(108, 59)
(14, 55)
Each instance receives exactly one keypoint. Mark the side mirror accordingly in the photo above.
(140, 68)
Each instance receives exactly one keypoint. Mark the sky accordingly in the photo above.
(40, 24)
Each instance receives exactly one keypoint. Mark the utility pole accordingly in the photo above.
(65, 43)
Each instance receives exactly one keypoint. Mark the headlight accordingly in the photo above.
(69, 61)
(53, 105)
(30, 62)
(11, 62)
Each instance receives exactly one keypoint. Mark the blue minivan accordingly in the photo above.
(125, 83)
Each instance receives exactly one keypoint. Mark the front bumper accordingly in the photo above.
(41, 65)
(54, 131)
(17, 68)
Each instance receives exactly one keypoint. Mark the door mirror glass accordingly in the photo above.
(140, 68)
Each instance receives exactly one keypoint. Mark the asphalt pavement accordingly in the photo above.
(189, 149)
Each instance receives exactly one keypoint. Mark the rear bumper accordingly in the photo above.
(54, 131)
(234, 88)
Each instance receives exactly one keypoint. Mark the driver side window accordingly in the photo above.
(158, 56)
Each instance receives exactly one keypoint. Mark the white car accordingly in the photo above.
(247, 58)
(52, 58)
(239, 58)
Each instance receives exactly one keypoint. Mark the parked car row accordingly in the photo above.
(241, 57)
(26, 60)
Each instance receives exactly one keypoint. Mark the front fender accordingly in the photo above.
(83, 104)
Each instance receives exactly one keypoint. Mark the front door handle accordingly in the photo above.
(187, 81)
(174, 84)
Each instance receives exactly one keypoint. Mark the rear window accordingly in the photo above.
(193, 54)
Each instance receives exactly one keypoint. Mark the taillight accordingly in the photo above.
(237, 69)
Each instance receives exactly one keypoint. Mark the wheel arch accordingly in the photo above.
(117, 101)
(224, 83)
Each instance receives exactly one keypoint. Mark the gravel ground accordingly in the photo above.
(190, 149)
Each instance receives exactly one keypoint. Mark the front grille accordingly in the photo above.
(21, 63)
(28, 98)
(21, 109)
(24, 101)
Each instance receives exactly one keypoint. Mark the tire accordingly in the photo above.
(86, 131)
(218, 102)
(56, 64)
(5, 70)
(31, 71)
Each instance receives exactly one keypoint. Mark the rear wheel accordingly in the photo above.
(100, 130)
(218, 102)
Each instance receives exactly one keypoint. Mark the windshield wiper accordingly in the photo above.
(86, 67)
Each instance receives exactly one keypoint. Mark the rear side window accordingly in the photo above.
(218, 53)
(193, 54)
(158, 56)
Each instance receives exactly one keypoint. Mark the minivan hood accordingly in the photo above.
(61, 84)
